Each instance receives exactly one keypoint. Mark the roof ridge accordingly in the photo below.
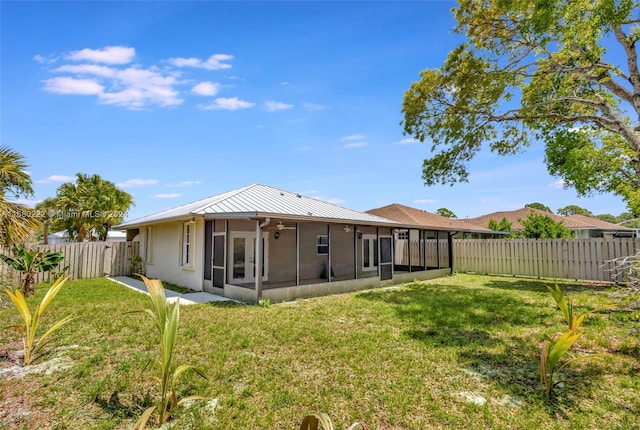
(226, 195)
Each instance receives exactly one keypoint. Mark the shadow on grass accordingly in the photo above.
(225, 304)
(115, 408)
(537, 285)
(485, 329)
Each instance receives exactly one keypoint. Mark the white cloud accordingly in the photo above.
(107, 55)
(184, 184)
(206, 89)
(67, 85)
(165, 196)
(135, 183)
(560, 184)
(425, 201)
(43, 60)
(26, 202)
(214, 62)
(107, 74)
(274, 106)
(131, 87)
(408, 141)
(88, 69)
(284, 83)
(314, 107)
(56, 178)
(232, 103)
(354, 137)
(354, 145)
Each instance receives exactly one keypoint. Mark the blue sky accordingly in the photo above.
(177, 101)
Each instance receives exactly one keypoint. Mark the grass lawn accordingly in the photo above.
(409, 357)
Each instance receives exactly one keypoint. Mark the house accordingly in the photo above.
(63, 237)
(461, 229)
(594, 227)
(584, 227)
(263, 242)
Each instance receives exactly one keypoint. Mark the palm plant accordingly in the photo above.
(15, 182)
(29, 261)
(554, 349)
(46, 211)
(93, 205)
(31, 320)
(165, 317)
(322, 421)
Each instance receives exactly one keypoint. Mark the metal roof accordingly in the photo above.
(261, 201)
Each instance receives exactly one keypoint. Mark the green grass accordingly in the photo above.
(168, 286)
(397, 358)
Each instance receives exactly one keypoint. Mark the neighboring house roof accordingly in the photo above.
(513, 217)
(572, 222)
(261, 201)
(595, 223)
(412, 216)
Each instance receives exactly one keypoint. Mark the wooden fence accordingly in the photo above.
(584, 259)
(86, 259)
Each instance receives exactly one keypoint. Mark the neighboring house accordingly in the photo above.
(460, 229)
(63, 237)
(262, 242)
(594, 227)
(584, 227)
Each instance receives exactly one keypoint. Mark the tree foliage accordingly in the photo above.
(90, 205)
(446, 213)
(503, 225)
(558, 71)
(16, 224)
(537, 226)
(538, 206)
(574, 210)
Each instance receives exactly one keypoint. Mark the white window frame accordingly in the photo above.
(373, 251)
(188, 242)
(319, 244)
(149, 243)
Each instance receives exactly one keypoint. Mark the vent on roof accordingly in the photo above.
(299, 196)
(281, 193)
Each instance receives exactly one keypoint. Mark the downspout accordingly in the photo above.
(258, 262)
(450, 243)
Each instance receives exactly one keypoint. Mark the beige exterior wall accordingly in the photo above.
(342, 258)
(167, 255)
(310, 261)
(282, 253)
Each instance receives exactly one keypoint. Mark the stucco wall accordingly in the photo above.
(167, 255)
(310, 261)
(282, 253)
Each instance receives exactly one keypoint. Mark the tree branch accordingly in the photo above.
(632, 62)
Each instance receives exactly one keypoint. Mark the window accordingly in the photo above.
(322, 242)
(369, 252)
(188, 229)
(149, 236)
(403, 235)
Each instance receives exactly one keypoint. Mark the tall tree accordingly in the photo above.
(564, 72)
(574, 210)
(538, 206)
(91, 205)
(16, 221)
(447, 213)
